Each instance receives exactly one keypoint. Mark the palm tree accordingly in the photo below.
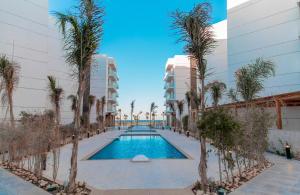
(163, 114)
(173, 112)
(195, 30)
(216, 89)
(180, 105)
(249, 79)
(153, 107)
(81, 32)
(125, 116)
(188, 99)
(120, 113)
(103, 102)
(9, 75)
(98, 110)
(132, 109)
(73, 99)
(92, 100)
(55, 94)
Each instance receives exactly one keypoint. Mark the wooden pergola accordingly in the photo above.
(278, 101)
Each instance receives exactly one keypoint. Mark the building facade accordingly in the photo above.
(104, 83)
(30, 37)
(270, 29)
(177, 83)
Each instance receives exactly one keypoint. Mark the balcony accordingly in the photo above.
(113, 85)
(169, 86)
(170, 97)
(112, 97)
(111, 109)
(169, 75)
(113, 74)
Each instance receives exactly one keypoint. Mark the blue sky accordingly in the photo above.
(138, 35)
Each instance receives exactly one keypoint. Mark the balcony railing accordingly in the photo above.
(113, 74)
(169, 74)
(113, 97)
(169, 85)
(170, 97)
(113, 85)
(111, 109)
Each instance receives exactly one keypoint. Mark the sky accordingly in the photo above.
(138, 35)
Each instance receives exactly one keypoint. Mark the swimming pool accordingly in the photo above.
(128, 146)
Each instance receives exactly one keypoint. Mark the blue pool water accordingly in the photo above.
(128, 146)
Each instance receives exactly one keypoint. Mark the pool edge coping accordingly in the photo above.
(188, 157)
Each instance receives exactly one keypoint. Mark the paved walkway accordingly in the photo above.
(13, 185)
(282, 178)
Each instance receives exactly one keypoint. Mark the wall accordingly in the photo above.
(268, 29)
(24, 29)
(31, 36)
(217, 67)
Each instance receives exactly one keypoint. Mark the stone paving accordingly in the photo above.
(13, 185)
(124, 174)
(282, 178)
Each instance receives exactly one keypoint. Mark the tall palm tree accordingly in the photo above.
(249, 79)
(153, 107)
(82, 32)
(180, 106)
(9, 75)
(125, 116)
(103, 102)
(131, 111)
(55, 94)
(120, 113)
(216, 89)
(194, 28)
(188, 99)
(73, 99)
(173, 112)
(98, 110)
(92, 100)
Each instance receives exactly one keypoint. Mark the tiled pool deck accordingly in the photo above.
(163, 177)
(124, 174)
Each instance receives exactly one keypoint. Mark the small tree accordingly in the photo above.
(55, 94)
(103, 103)
(98, 110)
(153, 107)
(180, 106)
(92, 100)
(220, 127)
(132, 110)
(9, 75)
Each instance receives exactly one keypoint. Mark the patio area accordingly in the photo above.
(124, 174)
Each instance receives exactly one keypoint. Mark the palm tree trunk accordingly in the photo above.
(86, 94)
(220, 169)
(203, 156)
(11, 112)
(73, 172)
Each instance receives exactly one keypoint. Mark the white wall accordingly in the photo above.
(25, 24)
(218, 67)
(268, 29)
(38, 51)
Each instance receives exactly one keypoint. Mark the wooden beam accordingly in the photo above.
(278, 113)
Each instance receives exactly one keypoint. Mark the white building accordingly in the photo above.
(270, 29)
(104, 82)
(178, 72)
(177, 83)
(31, 38)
